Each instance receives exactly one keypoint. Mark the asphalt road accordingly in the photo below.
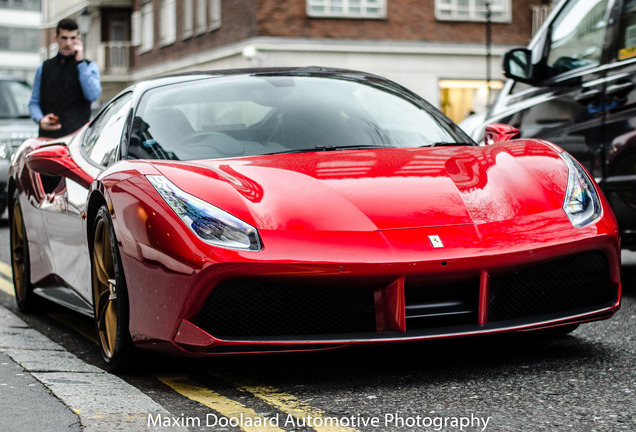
(582, 382)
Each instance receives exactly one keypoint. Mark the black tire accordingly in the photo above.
(26, 299)
(110, 297)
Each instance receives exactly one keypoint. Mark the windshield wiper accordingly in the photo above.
(348, 147)
(449, 144)
(329, 148)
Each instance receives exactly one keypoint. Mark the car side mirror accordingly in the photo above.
(517, 65)
(497, 132)
(56, 160)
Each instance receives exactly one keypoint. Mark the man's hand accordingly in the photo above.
(79, 49)
(50, 122)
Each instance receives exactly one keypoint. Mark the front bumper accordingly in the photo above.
(308, 290)
(304, 306)
(261, 309)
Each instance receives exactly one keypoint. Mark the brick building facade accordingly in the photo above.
(435, 47)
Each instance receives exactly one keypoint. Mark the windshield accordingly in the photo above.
(267, 114)
(14, 99)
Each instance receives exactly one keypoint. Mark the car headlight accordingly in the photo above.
(9, 143)
(5, 151)
(210, 223)
(582, 203)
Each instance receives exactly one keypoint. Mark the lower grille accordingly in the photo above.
(246, 308)
(281, 309)
(576, 282)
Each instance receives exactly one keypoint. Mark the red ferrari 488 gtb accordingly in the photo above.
(270, 210)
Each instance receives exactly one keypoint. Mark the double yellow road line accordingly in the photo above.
(295, 413)
(6, 275)
(293, 410)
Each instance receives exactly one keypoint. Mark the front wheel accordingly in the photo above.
(25, 297)
(110, 296)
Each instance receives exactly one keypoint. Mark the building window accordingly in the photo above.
(147, 28)
(214, 14)
(347, 8)
(167, 22)
(187, 15)
(143, 29)
(472, 10)
(19, 39)
(200, 17)
(35, 5)
(540, 14)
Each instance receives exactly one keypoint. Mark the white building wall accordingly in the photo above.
(19, 63)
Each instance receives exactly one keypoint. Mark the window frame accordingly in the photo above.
(214, 15)
(348, 9)
(34, 5)
(451, 10)
(16, 38)
(167, 22)
(200, 17)
(187, 19)
(556, 46)
(143, 28)
(626, 33)
(103, 121)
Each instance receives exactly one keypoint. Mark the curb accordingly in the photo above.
(102, 401)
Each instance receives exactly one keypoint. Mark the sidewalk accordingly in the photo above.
(45, 388)
(26, 405)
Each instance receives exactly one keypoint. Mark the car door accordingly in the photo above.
(63, 218)
(619, 102)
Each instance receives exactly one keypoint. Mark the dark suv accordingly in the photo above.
(15, 125)
(575, 85)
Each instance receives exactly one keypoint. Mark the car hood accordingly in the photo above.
(380, 189)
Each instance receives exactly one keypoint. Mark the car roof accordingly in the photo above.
(304, 71)
(11, 78)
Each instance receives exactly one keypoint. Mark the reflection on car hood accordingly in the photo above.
(380, 189)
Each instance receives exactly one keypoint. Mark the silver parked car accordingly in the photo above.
(15, 125)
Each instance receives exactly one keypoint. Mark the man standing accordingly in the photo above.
(64, 86)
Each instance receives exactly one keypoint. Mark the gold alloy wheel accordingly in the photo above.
(104, 289)
(18, 251)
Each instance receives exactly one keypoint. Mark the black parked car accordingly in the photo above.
(575, 85)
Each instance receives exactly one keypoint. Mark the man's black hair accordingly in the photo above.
(66, 24)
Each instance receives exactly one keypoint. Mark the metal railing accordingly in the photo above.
(115, 57)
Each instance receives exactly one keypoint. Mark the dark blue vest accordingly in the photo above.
(61, 94)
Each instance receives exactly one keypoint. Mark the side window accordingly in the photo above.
(627, 31)
(577, 36)
(103, 136)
